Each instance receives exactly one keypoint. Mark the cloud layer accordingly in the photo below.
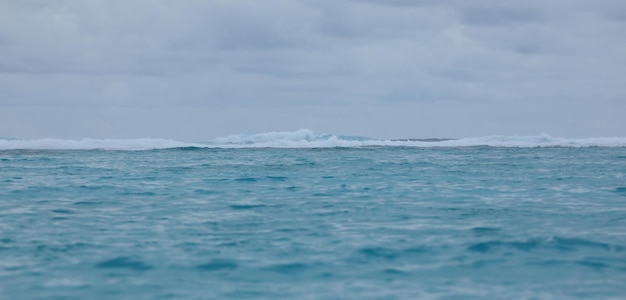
(197, 69)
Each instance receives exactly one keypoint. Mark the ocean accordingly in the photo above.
(300, 215)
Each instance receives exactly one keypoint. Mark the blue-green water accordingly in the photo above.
(376, 222)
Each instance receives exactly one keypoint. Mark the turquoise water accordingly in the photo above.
(377, 222)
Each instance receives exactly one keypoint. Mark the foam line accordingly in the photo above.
(305, 138)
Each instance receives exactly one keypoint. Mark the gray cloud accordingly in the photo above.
(381, 68)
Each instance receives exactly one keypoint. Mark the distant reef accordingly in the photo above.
(423, 140)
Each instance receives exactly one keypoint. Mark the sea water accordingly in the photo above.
(306, 216)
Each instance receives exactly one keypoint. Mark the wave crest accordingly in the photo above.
(305, 138)
(301, 135)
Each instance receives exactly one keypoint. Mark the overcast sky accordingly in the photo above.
(194, 70)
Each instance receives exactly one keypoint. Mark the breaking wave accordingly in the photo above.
(305, 138)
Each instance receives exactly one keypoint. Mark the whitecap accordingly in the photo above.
(305, 138)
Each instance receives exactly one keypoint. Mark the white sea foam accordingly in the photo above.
(305, 138)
